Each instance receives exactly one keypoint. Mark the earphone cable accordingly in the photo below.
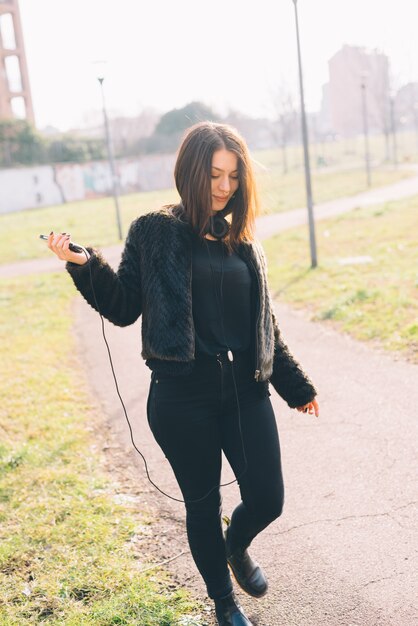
(124, 407)
(229, 349)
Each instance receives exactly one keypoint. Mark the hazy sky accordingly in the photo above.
(227, 53)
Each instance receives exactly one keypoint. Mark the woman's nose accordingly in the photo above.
(224, 184)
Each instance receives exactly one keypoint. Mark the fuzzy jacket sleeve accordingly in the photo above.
(288, 377)
(117, 295)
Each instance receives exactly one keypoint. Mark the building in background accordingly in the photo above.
(324, 114)
(342, 101)
(15, 95)
(406, 106)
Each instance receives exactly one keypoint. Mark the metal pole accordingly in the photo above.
(414, 104)
(115, 181)
(393, 128)
(365, 131)
(416, 124)
(312, 240)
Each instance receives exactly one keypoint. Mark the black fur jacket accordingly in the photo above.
(154, 278)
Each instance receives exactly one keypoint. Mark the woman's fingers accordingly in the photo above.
(313, 407)
(310, 407)
(66, 243)
(59, 243)
(54, 239)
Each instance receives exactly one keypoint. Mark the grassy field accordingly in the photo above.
(283, 193)
(376, 300)
(93, 222)
(70, 549)
(347, 151)
(89, 221)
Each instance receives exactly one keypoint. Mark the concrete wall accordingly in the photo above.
(45, 185)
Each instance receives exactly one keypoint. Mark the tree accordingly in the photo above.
(177, 120)
(70, 149)
(378, 91)
(286, 122)
(20, 144)
(167, 134)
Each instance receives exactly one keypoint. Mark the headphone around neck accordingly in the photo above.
(217, 226)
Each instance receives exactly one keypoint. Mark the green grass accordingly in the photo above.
(90, 222)
(375, 301)
(349, 151)
(282, 193)
(93, 222)
(70, 553)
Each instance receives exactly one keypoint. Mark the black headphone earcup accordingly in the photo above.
(218, 226)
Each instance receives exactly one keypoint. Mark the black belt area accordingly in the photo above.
(224, 356)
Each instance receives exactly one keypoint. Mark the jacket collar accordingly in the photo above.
(178, 211)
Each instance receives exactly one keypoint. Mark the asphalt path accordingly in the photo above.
(266, 225)
(344, 551)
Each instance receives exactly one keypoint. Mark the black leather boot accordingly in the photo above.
(229, 612)
(247, 572)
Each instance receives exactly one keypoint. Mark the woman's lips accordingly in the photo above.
(221, 199)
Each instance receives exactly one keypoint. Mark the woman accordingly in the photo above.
(211, 339)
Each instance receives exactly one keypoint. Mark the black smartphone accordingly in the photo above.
(73, 246)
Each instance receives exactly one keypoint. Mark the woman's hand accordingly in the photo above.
(310, 407)
(59, 244)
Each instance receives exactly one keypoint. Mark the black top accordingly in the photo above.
(209, 308)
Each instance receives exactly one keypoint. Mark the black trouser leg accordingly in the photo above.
(186, 428)
(193, 419)
(261, 484)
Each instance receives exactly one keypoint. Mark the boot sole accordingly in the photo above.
(227, 521)
(250, 593)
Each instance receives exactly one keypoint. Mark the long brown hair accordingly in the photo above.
(192, 174)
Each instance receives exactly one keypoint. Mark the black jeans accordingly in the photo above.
(193, 418)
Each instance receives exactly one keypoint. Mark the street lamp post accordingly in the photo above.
(365, 127)
(312, 240)
(393, 129)
(115, 180)
(415, 113)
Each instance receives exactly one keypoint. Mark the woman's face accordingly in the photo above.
(224, 179)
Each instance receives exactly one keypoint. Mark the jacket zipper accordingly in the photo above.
(257, 365)
(218, 358)
(191, 281)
